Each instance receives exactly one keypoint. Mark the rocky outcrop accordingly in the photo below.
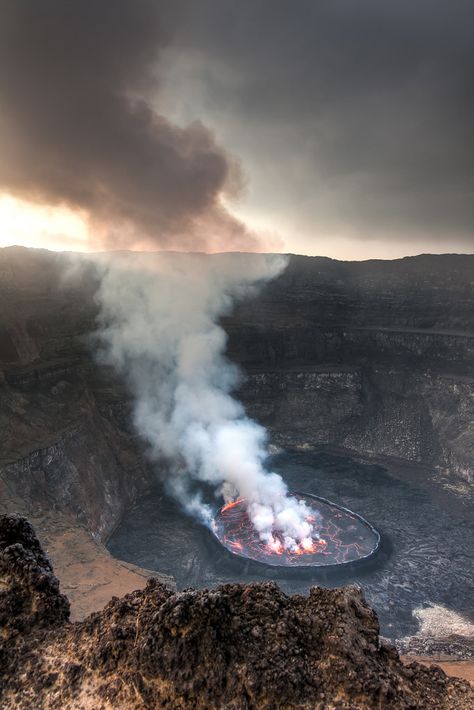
(29, 591)
(238, 646)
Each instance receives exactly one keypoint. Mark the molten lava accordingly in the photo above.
(339, 536)
(228, 506)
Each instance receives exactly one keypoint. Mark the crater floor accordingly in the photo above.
(425, 556)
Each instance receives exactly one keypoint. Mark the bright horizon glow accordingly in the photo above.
(296, 240)
(41, 227)
(59, 228)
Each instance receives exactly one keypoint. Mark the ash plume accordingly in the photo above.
(158, 326)
(80, 125)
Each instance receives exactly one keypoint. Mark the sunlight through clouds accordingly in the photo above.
(30, 225)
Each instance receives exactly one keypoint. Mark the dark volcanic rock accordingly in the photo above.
(238, 646)
(29, 591)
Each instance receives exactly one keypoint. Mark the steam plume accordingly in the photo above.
(158, 325)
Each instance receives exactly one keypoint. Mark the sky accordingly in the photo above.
(340, 128)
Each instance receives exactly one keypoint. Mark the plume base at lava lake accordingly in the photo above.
(422, 559)
(340, 537)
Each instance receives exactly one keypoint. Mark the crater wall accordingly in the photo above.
(375, 357)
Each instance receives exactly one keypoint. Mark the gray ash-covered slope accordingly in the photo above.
(238, 646)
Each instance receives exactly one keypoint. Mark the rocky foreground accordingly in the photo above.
(238, 646)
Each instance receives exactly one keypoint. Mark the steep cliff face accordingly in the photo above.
(414, 415)
(375, 357)
(238, 646)
(66, 434)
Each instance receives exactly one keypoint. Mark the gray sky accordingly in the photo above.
(339, 127)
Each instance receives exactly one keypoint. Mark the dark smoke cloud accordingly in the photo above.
(76, 128)
(352, 117)
(364, 108)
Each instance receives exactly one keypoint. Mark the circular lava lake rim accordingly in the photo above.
(301, 562)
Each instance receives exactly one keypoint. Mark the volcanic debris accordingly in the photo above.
(237, 646)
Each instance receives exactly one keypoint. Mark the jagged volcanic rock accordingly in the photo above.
(238, 646)
(29, 591)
